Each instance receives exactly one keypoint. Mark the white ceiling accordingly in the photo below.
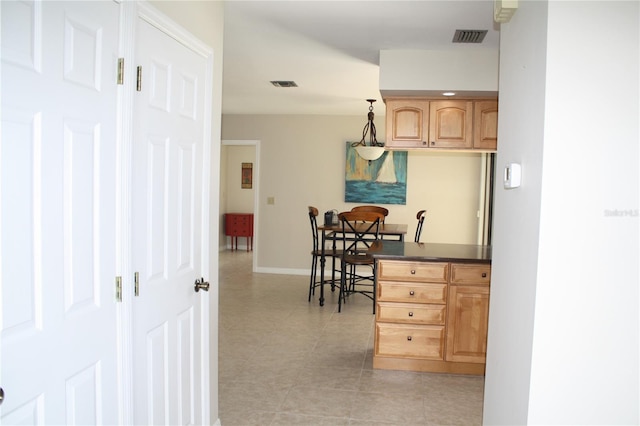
(331, 49)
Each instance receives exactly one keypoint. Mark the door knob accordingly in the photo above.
(1, 395)
(201, 284)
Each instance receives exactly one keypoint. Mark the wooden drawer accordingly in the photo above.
(413, 271)
(411, 313)
(390, 291)
(464, 273)
(409, 341)
(239, 224)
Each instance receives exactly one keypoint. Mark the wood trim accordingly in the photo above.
(423, 365)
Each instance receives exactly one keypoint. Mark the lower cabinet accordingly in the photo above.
(432, 316)
(467, 323)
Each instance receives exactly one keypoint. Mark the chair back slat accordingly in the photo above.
(359, 230)
(377, 209)
(313, 214)
(420, 216)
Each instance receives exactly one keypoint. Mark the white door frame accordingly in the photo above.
(256, 192)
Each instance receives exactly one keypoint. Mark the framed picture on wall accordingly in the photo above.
(382, 181)
(247, 175)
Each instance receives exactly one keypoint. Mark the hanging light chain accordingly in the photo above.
(373, 141)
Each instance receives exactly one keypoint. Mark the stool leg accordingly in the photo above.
(312, 279)
(342, 285)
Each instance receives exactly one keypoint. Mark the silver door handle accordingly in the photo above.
(201, 284)
(1, 395)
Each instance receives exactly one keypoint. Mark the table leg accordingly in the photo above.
(322, 261)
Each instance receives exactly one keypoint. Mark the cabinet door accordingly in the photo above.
(450, 124)
(485, 119)
(467, 323)
(407, 123)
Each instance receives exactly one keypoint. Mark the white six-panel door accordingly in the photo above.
(65, 341)
(58, 199)
(170, 202)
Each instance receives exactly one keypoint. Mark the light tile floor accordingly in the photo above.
(284, 361)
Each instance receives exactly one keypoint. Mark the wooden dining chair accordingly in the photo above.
(377, 209)
(360, 229)
(420, 216)
(316, 253)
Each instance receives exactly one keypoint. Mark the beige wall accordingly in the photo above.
(237, 199)
(410, 72)
(234, 198)
(302, 163)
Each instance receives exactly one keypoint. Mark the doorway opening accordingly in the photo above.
(237, 193)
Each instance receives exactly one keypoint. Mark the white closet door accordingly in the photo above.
(170, 209)
(58, 221)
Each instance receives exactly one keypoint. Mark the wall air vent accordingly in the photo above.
(469, 36)
(284, 83)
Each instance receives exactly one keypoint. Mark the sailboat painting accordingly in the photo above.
(381, 181)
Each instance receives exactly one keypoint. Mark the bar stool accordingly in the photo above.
(316, 254)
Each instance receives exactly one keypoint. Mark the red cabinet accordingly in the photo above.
(239, 225)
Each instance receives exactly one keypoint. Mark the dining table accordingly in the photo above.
(334, 232)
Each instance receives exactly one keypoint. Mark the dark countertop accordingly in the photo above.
(397, 250)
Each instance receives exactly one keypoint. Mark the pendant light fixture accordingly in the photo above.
(375, 149)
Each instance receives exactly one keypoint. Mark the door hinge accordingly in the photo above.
(120, 77)
(139, 79)
(136, 283)
(118, 289)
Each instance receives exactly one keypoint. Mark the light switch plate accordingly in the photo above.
(512, 175)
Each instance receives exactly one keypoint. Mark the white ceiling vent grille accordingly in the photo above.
(469, 36)
(284, 83)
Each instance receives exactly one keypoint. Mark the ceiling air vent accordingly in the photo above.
(284, 83)
(469, 36)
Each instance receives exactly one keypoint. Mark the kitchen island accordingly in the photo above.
(432, 306)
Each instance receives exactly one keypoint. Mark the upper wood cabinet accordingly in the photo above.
(485, 118)
(441, 124)
(451, 124)
(407, 123)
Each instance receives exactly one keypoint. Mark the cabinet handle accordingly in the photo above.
(433, 142)
(410, 314)
(484, 275)
(413, 272)
(424, 142)
(409, 338)
(411, 293)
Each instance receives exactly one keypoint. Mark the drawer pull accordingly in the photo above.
(412, 293)
(413, 272)
(409, 338)
(484, 275)
(410, 314)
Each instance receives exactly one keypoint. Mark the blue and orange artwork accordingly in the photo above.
(381, 181)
